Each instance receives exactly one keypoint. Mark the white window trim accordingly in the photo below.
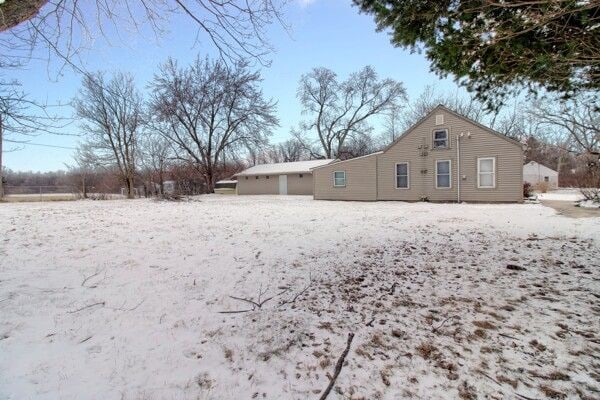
(479, 172)
(447, 146)
(449, 173)
(407, 175)
(335, 172)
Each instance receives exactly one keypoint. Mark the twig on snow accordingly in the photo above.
(488, 376)
(442, 324)
(236, 311)
(255, 304)
(86, 339)
(100, 303)
(507, 336)
(128, 309)
(338, 367)
(525, 397)
(90, 277)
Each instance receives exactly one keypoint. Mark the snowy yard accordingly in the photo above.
(124, 300)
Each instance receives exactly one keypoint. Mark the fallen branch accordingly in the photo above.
(259, 303)
(102, 303)
(338, 367)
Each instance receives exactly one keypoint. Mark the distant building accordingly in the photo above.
(279, 178)
(534, 173)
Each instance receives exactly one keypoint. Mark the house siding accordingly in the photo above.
(361, 180)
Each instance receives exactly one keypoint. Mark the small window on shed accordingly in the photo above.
(300, 175)
(546, 179)
(246, 178)
(267, 176)
(256, 176)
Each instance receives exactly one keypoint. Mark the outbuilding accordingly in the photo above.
(293, 178)
(535, 173)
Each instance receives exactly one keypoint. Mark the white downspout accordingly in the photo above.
(458, 166)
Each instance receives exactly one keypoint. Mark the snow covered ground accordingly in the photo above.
(125, 300)
(561, 195)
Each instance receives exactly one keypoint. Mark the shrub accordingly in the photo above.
(542, 187)
(527, 190)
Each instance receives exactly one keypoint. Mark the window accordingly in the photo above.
(402, 180)
(256, 176)
(246, 178)
(339, 178)
(267, 176)
(443, 178)
(546, 179)
(486, 172)
(300, 175)
(440, 138)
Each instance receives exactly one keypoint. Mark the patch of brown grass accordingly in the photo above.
(552, 393)
(484, 325)
(426, 350)
(505, 379)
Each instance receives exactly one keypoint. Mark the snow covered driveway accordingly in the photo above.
(125, 300)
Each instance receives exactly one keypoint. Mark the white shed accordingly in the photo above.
(534, 172)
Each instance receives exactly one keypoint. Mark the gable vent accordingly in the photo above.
(439, 119)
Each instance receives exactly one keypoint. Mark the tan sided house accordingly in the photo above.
(279, 178)
(443, 157)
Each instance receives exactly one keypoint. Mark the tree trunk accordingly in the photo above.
(84, 188)
(130, 194)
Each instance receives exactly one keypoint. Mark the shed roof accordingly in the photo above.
(295, 167)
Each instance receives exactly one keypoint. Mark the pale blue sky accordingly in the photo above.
(329, 33)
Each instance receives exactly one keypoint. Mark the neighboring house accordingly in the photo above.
(443, 157)
(534, 173)
(280, 178)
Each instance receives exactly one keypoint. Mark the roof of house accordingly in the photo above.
(535, 163)
(443, 107)
(338, 161)
(295, 167)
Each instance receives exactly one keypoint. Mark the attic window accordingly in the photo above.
(439, 119)
(440, 138)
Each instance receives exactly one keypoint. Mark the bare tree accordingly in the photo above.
(112, 111)
(208, 109)
(576, 122)
(83, 167)
(339, 110)
(156, 155)
(62, 28)
(430, 98)
(21, 118)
